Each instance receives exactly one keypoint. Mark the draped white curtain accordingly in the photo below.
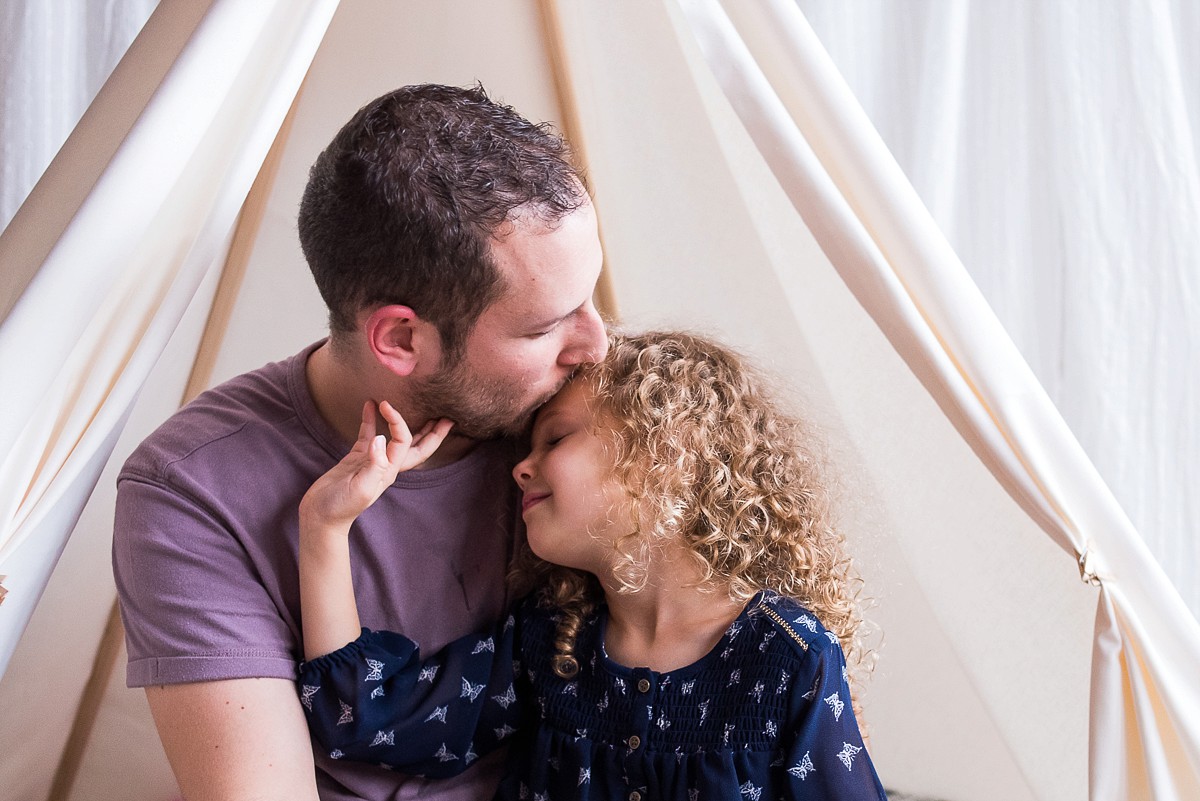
(1057, 145)
(102, 260)
(54, 56)
(864, 213)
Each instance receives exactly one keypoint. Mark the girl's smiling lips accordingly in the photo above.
(531, 498)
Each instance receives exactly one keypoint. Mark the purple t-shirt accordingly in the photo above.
(205, 551)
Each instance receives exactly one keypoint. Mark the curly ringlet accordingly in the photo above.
(717, 463)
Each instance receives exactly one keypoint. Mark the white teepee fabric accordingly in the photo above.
(99, 266)
(982, 690)
(868, 219)
(54, 57)
(1056, 145)
(119, 267)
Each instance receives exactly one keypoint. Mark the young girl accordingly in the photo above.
(685, 638)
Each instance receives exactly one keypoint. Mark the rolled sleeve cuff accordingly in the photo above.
(185, 669)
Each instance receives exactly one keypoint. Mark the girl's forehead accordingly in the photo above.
(577, 400)
(575, 396)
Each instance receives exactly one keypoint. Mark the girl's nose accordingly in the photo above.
(523, 471)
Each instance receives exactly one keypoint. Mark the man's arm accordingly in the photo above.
(236, 740)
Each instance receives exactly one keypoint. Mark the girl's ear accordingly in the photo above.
(400, 340)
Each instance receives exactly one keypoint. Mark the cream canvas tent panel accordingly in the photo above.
(983, 689)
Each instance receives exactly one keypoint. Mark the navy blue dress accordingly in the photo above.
(765, 715)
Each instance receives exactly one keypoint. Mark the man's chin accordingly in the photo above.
(495, 428)
(518, 427)
(483, 420)
(522, 426)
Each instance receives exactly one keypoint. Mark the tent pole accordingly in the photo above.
(89, 707)
(572, 127)
(244, 237)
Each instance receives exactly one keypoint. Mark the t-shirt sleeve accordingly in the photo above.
(826, 759)
(376, 700)
(193, 602)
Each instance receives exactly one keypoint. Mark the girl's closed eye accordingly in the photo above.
(553, 435)
(547, 443)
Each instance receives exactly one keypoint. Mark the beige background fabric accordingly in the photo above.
(982, 689)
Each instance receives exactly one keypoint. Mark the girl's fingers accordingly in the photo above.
(428, 440)
(363, 474)
(402, 450)
(397, 426)
(366, 428)
(369, 476)
(379, 456)
(422, 433)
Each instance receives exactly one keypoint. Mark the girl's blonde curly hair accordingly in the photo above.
(716, 464)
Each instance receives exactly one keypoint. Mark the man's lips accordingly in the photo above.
(531, 499)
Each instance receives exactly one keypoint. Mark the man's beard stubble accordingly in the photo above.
(480, 409)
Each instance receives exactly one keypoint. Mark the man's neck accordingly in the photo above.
(339, 389)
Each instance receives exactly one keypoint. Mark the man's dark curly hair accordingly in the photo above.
(401, 205)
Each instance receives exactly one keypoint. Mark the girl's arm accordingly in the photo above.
(378, 700)
(368, 696)
(329, 614)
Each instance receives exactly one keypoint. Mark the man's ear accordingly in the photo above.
(399, 339)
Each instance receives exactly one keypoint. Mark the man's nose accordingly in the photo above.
(590, 341)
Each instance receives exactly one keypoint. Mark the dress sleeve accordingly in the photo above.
(826, 759)
(376, 700)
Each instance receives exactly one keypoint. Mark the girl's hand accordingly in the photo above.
(330, 618)
(370, 467)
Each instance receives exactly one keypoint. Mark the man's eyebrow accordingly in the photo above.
(539, 326)
(560, 318)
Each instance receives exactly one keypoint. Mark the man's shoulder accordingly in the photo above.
(239, 414)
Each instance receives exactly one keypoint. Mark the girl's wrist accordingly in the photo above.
(319, 534)
(318, 523)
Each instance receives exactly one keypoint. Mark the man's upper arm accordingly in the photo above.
(199, 620)
(234, 740)
(195, 603)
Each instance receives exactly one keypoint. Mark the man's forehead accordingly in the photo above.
(532, 238)
(548, 272)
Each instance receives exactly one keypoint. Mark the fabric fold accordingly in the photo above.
(121, 270)
(887, 248)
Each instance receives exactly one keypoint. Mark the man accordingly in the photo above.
(456, 249)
